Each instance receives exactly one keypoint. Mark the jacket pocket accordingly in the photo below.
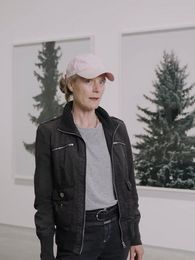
(62, 205)
(120, 158)
(63, 164)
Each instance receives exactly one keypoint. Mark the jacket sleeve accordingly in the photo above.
(136, 240)
(43, 184)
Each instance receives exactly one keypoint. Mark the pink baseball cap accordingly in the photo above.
(87, 66)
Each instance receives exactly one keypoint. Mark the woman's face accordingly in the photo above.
(87, 93)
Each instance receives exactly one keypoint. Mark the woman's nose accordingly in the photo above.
(96, 86)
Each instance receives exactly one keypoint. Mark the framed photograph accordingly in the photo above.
(157, 102)
(37, 68)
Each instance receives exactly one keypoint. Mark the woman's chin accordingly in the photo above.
(94, 103)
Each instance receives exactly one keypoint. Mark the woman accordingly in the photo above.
(85, 190)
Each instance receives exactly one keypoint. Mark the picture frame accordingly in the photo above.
(141, 53)
(30, 65)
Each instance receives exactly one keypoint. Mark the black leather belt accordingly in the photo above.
(103, 214)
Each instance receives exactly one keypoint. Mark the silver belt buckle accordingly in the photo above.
(100, 211)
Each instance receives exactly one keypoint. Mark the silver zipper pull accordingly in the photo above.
(124, 245)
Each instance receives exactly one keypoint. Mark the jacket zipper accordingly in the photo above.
(119, 143)
(84, 215)
(62, 147)
(122, 241)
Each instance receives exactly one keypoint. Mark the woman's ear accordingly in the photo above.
(70, 86)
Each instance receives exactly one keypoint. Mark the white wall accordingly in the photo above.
(33, 20)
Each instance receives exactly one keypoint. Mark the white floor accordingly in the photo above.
(21, 244)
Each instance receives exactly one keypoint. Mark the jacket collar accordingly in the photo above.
(67, 123)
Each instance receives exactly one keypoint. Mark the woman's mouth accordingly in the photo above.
(94, 98)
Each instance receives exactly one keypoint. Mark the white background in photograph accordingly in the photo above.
(141, 53)
(26, 86)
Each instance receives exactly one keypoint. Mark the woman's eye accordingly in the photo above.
(102, 82)
(88, 80)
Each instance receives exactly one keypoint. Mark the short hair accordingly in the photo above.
(64, 86)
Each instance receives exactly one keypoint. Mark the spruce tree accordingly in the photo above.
(166, 152)
(47, 102)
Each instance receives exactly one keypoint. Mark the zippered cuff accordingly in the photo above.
(136, 240)
(47, 247)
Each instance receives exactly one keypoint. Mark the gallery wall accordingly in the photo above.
(167, 216)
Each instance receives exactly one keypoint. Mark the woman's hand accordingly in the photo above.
(136, 252)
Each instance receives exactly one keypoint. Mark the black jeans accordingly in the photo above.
(102, 241)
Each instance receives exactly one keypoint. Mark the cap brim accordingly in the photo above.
(91, 74)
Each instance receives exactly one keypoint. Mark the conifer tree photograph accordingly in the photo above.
(47, 102)
(165, 153)
(37, 68)
(157, 103)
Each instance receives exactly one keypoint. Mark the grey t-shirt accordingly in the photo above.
(99, 184)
